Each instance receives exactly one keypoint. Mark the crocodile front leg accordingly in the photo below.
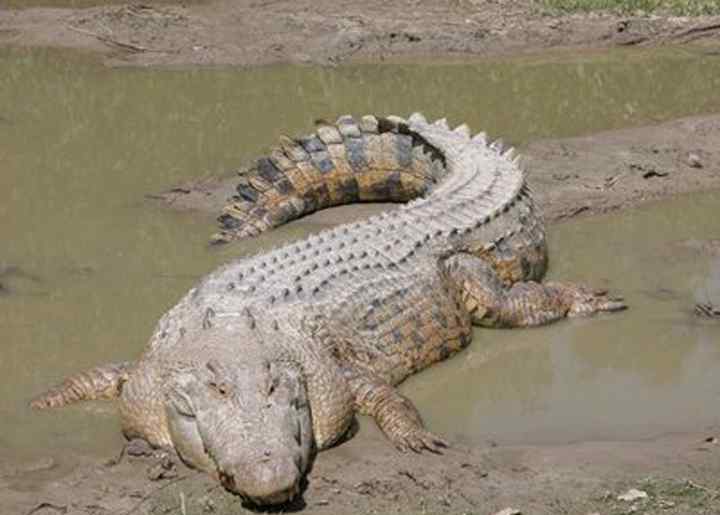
(526, 303)
(394, 414)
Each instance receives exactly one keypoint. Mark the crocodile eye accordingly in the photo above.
(220, 388)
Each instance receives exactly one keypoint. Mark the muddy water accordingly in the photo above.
(644, 372)
(94, 266)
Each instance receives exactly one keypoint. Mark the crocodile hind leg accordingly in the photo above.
(102, 382)
(525, 303)
(394, 414)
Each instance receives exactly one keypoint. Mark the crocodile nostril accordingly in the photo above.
(227, 480)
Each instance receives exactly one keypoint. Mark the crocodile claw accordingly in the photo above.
(421, 440)
(587, 301)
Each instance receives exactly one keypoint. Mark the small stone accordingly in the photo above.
(711, 439)
(509, 511)
(208, 505)
(633, 495)
(694, 161)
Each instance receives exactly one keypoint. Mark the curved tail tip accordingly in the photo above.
(218, 239)
(103, 382)
(46, 400)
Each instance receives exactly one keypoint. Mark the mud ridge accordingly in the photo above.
(248, 32)
(571, 177)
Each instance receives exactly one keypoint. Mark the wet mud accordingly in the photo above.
(571, 177)
(248, 32)
(361, 476)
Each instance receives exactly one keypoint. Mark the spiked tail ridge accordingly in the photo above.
(100, 383)
(374, 159)
(378, 159)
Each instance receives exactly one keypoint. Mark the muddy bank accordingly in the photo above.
(249, 32)
(623, 168)
(572, 177)
(679, 474)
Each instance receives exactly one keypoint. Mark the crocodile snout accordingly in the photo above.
(270, 482)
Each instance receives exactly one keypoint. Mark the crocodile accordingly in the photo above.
(268, 358)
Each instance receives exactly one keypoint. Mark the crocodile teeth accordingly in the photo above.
(463, 130)
(417, 118)
(442, 123)
(509, 153)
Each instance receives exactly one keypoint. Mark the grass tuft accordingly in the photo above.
(676, 7)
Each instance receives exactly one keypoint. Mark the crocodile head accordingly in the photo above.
(247, 423)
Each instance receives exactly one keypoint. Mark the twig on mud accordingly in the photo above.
(574, 212)
(108, 40)
(697, 31)
(707, 310)
(56, 507)
(714, 494)
(151, 494)
(632, 41)
(199, 185)
(408, 475)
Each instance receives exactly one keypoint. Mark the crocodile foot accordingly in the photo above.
(395, 415)
(416, 439)
(583, 301)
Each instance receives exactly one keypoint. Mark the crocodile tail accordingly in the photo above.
(370, 160)
(99, 383)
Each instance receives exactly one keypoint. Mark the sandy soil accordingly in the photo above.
(251, 32)
(572, 177)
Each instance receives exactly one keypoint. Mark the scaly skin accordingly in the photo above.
(269, 357)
